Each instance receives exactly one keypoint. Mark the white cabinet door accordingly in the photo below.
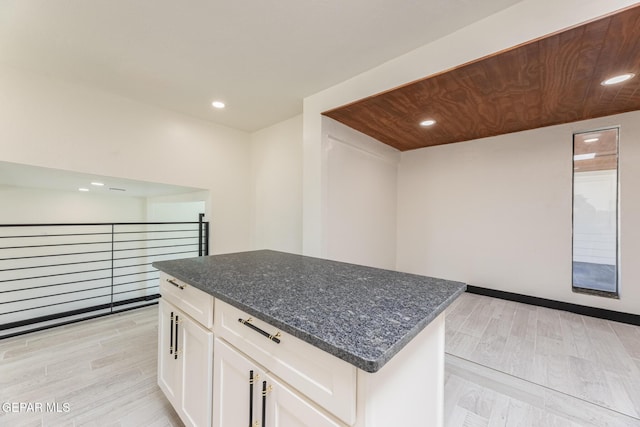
(237, 387)
(196, 348)
(169, 372)
(285, 408)
(184, 365)
(321, 377)
(246, 396)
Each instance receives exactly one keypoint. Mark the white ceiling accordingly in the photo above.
(261, 57)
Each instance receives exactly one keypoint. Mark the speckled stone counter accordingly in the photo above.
(359, 314)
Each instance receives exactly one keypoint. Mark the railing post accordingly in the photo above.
(206, 240)
(112, 261)
(200, 217)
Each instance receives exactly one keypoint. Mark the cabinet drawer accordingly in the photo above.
(193, 301)
(323, 378)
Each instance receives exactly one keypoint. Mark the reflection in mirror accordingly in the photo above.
(595, 212)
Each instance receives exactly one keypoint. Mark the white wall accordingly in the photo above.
(276, 167)
(61, 125)
(184, 207)
(497, 212)
(361, 195)
(29, 205)
(520, 23)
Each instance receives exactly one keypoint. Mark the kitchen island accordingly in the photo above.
(330, 343)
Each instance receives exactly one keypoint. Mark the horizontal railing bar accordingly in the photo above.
(98, 223)
(55, 275)
(59, 284)
(86, 280)
(108, 242)
(107, 233)
(102, 234)
(70, 301)
(51, 255)
(156, 247)
(76, 312)
(57, 303)
(181, 230)
(135, 290)
(86, 253)
(150, 240)
(135, 281)
(55, 295)
(57, 235)
(137, 299)
(55, 265)
(152, 255)
(133, 274)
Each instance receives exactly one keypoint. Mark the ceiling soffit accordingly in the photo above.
(552, 80)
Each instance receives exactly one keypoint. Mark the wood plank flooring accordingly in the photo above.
(590, 359)
(476, 395)
(104, 369)
(508, 364)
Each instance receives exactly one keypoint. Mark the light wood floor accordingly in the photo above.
(592, 359)
(105, 369)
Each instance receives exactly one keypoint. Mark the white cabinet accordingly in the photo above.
(169, 375)
(320, 377)
(219, 381)
(237, 388)
(196, 348)
(287, 408)
(308, 387)
(248, 396)
(184, 364)
(196, 303)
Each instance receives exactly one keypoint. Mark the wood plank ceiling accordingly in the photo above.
(552, 80)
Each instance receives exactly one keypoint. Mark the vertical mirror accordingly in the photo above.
(595, 212)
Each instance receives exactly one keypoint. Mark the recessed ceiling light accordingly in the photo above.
(427, 123)
(617, 79)
(97, 184)
(589, 140)
(586, 156)
(217, 104)
(83, 189)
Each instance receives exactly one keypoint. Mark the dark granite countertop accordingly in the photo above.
(362, 315)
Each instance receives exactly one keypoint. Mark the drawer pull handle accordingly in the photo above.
(275, 337)
(251, 379)
(175, 356)
(264, 403)
(171, 335)
(174, 283)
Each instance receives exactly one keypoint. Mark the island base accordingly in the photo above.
(409, 389)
